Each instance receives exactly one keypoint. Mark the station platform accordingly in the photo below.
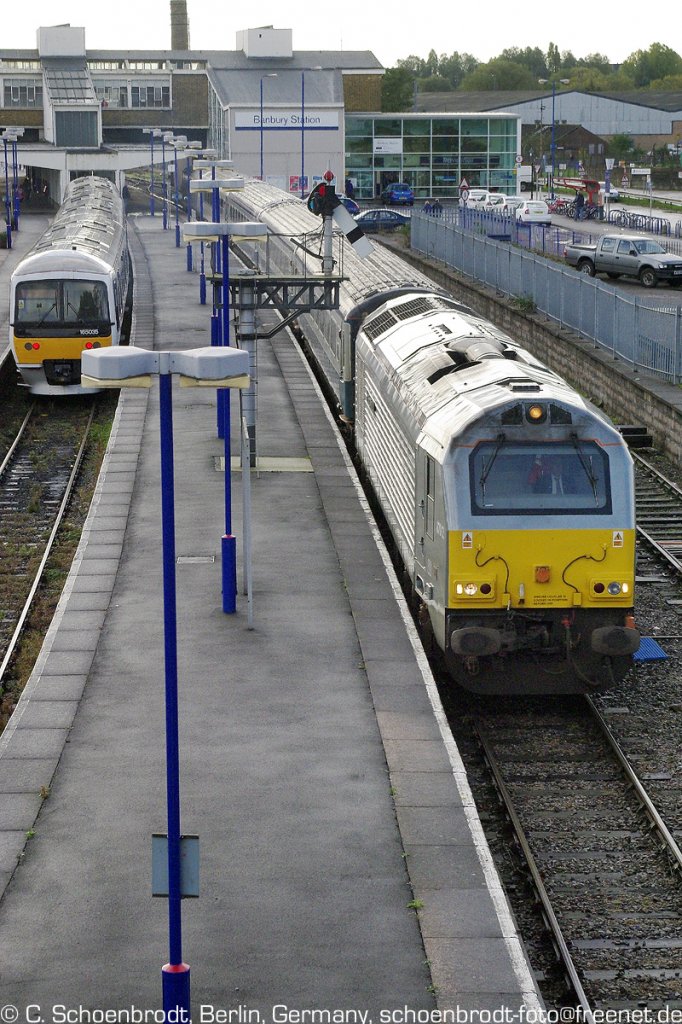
(344, 871)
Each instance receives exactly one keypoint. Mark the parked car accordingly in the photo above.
(398, 193)
(381, 220)
(476, 197)
(512, 203)
(533, 211)
(494, 202)
(612, 196)
(627, 255)
(349, 203)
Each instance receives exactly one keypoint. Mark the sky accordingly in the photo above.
(145, 24)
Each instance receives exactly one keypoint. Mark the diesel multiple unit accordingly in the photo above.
(70, 292)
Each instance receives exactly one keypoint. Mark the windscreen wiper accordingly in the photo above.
(501, 438)
(586, 466)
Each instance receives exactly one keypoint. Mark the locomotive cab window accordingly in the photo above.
(571, 478)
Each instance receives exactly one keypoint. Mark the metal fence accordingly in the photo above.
(647, 336)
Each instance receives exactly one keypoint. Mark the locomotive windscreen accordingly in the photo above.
(61, 302)
(539, 478)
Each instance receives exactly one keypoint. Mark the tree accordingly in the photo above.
(531, 58)
(456, 67)
(553, 59)
(499, 74)
(416, 65)
(434, 83)
(621, 146)
(645, 66)
(397, 90)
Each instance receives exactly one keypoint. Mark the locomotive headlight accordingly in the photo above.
(468, 589)
(536, 413)
(610, 588)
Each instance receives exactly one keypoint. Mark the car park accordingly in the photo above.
(398, 193)
(381, 220)
(533, 211)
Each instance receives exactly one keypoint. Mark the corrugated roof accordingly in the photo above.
(489, 100)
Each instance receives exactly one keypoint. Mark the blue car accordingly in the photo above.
(398, 193)
(350, 204)
(381, 220)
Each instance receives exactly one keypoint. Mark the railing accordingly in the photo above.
(647, 337)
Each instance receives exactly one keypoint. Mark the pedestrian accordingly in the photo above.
(579, 205)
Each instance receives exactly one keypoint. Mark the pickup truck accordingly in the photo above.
(631, 256)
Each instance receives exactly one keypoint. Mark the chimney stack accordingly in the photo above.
(179, 25)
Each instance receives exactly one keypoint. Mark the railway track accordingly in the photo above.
(37, 477)
(659, 512)
(604, 864)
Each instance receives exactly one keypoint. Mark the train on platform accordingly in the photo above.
(71, 291)
(508, 496)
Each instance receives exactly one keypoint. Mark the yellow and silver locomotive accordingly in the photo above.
(70, 292)
(509, 497)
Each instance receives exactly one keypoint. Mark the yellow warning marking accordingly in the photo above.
(267, 464)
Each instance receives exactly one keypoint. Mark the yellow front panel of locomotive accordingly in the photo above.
(541, 568)
(54, 348)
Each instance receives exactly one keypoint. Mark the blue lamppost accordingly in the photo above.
(224, 231)
(13, 134)
(317, 68)
(151, 132)
(272, 75)
(192, 149)
(179, 142)
(133, 367)
(167, 137)
(8, 202)
(543, 81)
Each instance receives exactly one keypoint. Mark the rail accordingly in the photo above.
(57, 521)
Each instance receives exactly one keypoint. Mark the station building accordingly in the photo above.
(286, 115)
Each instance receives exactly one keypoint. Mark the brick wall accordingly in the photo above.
(362, 93)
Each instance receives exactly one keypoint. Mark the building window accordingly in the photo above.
(22, 92)
(112, 94)
(150, 96)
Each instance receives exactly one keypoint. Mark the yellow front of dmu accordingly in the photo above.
(69, 293)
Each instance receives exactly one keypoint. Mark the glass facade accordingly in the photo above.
(432, 153)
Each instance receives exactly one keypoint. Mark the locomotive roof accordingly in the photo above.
(449, 365)
(90, 222)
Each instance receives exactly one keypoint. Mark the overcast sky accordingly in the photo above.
(417, 28)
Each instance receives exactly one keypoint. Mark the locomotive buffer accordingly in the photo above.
(292, 294)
